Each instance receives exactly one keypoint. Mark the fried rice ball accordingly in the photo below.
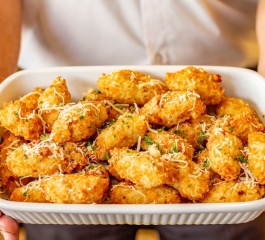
(207, 85)
(44, 157)
(234, 191)
(125, 132)
(167, 142)
(79, 188)
(78, 121)
(224, 152)
(53, 98)
(243, 119)
(192, 181)
(141, 168)
(21, 117)
(26, 161)
(195, 130)
(256, 155)
(127, 86)
(172, 108)
(31, 192)
(8, 181)
(126, 193)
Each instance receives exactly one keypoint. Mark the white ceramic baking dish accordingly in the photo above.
(238, 82)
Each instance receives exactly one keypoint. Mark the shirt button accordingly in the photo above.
(157, 59)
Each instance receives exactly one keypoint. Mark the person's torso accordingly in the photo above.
(130, 32)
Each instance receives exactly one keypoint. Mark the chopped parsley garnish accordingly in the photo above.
(148, 140)
(202, 138)
(174, 148)
(242, 159)
(178, 131)
(206, 163)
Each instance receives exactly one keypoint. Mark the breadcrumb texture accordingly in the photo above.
(207, 85)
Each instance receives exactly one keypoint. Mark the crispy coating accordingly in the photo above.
(244, 119)
(167, 142)
(127, 86)
(207, 85)
(141, 168)
(54, 96)
(234, 191)
(21, 118)
(125, 193)
(125, 132)
(77, 188)
(29, 193)
(173, 107)
(8, 180)
(25, 161)
(74, 156)
(78, 121)
(224, 151)
(256, 155)
(195, 130)
(192, 180)
(42, 158)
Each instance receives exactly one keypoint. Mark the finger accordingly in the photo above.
(8, 225)
(10, 236)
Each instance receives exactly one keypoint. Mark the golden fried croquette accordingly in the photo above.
(224, 151)
(125, 193)
(244, 119)
(192, 181)
(125, 132)
(127, 86)
(80, 188)
(207, 85)
(141, 168)
(21, 117)
(172, 108)
(34, 160)
(53, 98)
(234, 191)
(167, 142)
(195, 130)
(8, 180)
(74, 157)
(32, 192)
(45, 157)
(78, 121)
(256, 155)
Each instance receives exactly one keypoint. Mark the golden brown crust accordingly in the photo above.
(127, 86)
(125, 193)
(234, 191)
(172, 108)
(207, 85)
(256, 155)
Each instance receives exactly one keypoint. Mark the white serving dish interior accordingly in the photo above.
(238, 82)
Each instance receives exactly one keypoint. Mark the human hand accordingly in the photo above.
(8, 227)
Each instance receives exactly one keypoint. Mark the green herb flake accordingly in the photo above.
(206, 163)
(161, 129)
(178, 131)
(107, 156)
(202, 138)
(174, 148)
(231, 129)
(148, 140)
(242, 159)
(81, 117)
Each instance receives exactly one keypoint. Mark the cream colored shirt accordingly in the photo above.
(142, 32)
